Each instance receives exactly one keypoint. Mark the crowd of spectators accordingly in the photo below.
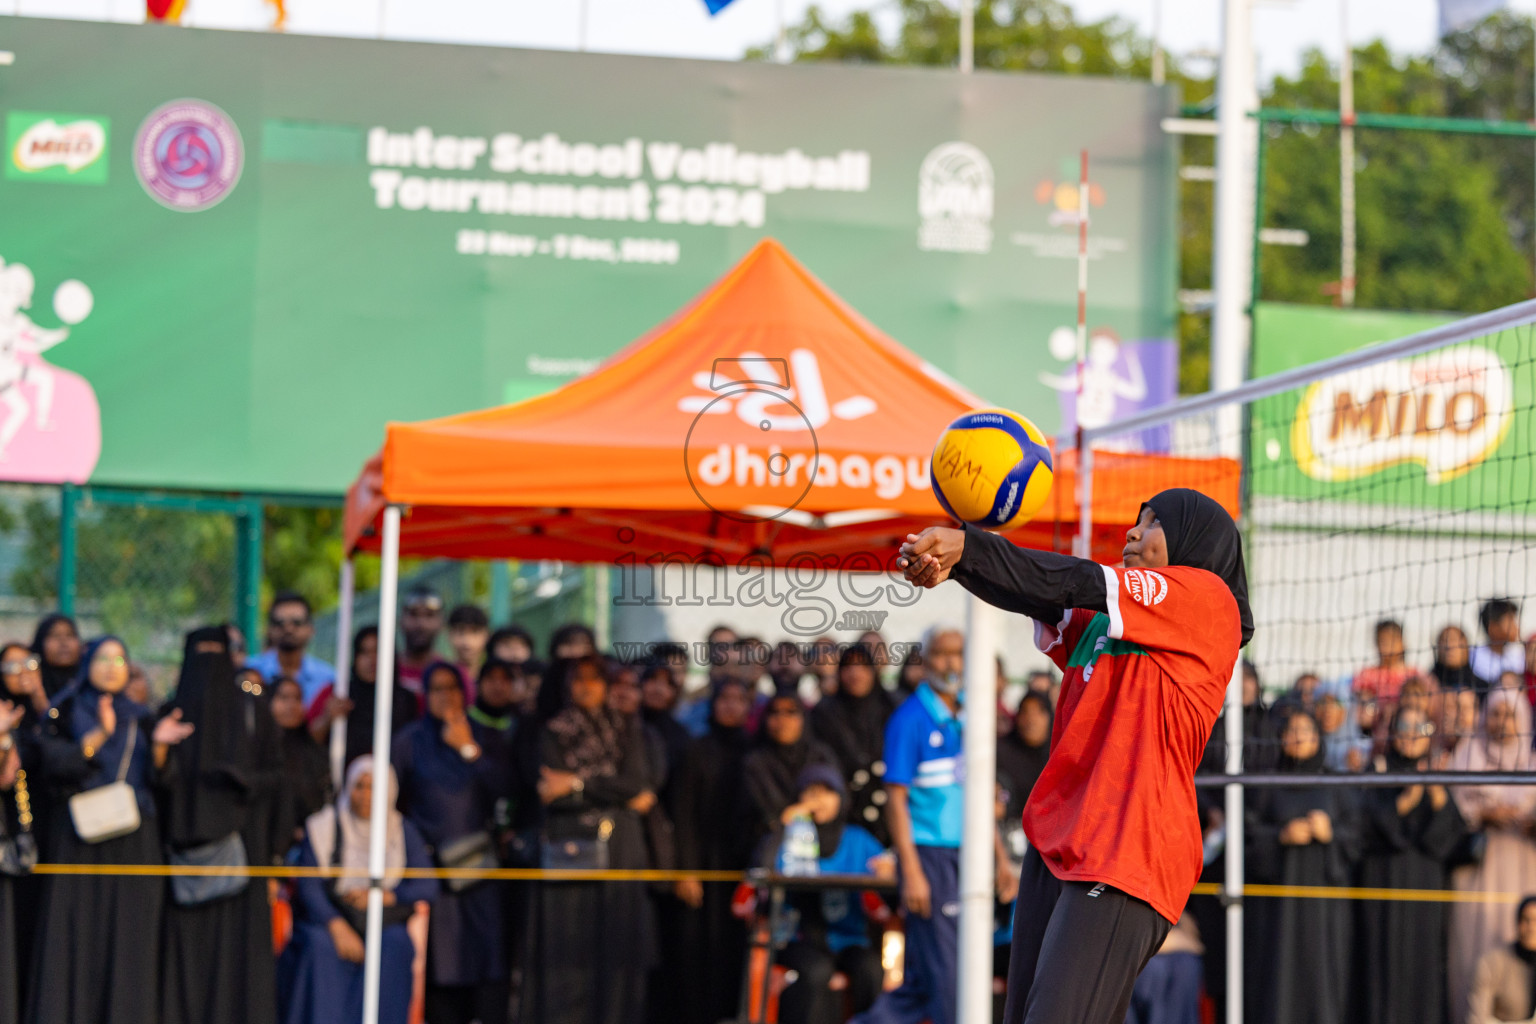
(576, 759)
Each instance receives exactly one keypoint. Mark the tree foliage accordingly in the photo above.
(1444, 222)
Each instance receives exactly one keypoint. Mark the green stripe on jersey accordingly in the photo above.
(1096, 641)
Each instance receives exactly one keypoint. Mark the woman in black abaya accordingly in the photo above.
(1021, 755)
(304, 763)
(361, 699)
(595, 942)
(781, 752)
(97, 955)
(713, 819)
(1300, 965)
(1408, 835)
(223, 780)
(14, 820)
(57, 645)
(851, 723)
(21, 684)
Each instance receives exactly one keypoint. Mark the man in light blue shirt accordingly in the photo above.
(924, 778)
(291, 627)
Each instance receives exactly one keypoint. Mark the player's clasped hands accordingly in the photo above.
(927, 558)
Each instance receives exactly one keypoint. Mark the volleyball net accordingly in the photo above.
(1387, 500)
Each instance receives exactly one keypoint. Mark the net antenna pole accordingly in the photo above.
(1084, 455)
(978, 870)
(389, 585)
(343, 685)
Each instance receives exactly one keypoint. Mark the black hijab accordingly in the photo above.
(1201, 534)
(364, 695)
(216, 765)
(512, 671)
(305, 767)
(1526, 956)
(854, 727)
(426, 685)
(1307, 766)
(1396, 762)
(733, 737)
(773, 769)
(55, 677)
(1018, 763)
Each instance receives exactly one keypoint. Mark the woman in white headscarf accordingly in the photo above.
(320, 977)
(1504, 815)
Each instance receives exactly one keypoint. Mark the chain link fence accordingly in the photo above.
(146, 567)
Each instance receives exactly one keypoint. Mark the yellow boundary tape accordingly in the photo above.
(1316, 892)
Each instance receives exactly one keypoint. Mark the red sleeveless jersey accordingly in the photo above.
(1142, 688)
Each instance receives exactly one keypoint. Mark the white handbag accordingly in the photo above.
(109, 811)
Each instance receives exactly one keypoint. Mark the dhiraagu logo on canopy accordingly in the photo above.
(1446, 411)
(56, 147)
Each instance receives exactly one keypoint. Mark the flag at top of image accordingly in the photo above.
(716, 6)
(1456, 15)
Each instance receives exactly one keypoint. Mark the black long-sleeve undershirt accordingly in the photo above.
(1040, 584)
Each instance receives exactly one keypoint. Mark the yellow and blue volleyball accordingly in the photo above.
(992, 468)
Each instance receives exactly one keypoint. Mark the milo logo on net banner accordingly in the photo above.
(1447, 411)
(56, 147)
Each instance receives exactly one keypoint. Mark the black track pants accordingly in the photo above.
(1077, 948)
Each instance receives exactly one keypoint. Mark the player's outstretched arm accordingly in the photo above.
(1040, 584)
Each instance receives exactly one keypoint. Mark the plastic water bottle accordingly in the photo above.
(802, 850)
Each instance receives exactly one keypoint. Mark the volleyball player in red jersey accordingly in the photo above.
(1146, 652)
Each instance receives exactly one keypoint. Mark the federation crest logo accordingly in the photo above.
(1145, 586)
(188, 155)
(954, 199)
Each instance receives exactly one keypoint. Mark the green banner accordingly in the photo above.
(1443, 429)
(292, 240)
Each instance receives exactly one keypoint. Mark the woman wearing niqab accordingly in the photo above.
(222, 780)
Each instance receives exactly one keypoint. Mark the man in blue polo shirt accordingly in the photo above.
(924, 780)
(291, 627)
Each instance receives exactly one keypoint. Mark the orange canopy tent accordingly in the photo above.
(765, 420)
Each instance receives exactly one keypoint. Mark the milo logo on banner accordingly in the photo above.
(1446, 411)
(56, 147)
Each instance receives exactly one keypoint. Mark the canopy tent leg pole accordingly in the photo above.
(1232, 887)
(343, 687)
(389, 584)
(979, 830)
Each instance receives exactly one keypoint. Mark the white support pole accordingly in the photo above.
(967, 36)
(1346, 164)
(1084, 543)
(977, 868)
(343, 667)
(1236, 155)
(781, 34)
(389, 584)
(1159, 65)
(1232, 885)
